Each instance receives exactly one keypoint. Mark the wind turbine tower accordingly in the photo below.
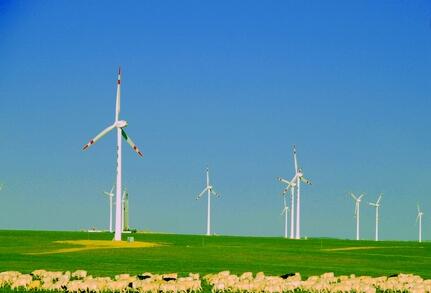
(210, 191)
(110, 195)
(357, 210)
(299, 178)
(121, 134)
(125, 211)
(377, 206)
(419, 219)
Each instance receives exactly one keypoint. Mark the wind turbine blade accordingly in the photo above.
(419, 210)
(294, 158)
(360, 197)
(112, 189)
(380, 197)
(283, 180)
(306, 181)
(353, 196)
(202, 193)
(372, 204)
(214, 193)
(117, 103)
(130, 142)
(99, 136)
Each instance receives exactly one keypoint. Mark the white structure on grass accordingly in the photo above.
(377, 206)
(119, 125)
(419, 220)
(210, 191)
(110, 195)
(300, 178)
(295, 182)
(285, 212)
(357, 200)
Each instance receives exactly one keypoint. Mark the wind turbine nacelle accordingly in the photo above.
(121, 124)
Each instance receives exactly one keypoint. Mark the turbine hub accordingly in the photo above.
(121, 124)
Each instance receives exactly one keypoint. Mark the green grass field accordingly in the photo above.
(192, 253)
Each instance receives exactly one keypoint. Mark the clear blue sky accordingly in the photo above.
(231, 84)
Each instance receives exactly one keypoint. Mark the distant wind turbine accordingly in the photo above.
(110, 195)
(377, 206)
(209, 189)
(295, 182)
(357, 203)
(119, 125)
(290, 185)
(284, 212)
(419, 220)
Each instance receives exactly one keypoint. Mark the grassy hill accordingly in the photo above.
(194, 253)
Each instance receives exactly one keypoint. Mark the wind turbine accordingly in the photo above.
(290, 185)
(209, 189)
(119, 125)
(419, 219)
(284, 212)
(110, 195)
(377, 206)
(357, 203)
(299, 178)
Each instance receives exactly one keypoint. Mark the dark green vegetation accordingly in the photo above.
(191, 253)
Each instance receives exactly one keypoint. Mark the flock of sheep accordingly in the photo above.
(79, 282)
(326, 283)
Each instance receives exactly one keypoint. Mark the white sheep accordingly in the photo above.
(79, 274)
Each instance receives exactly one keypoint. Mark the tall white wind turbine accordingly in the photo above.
(119, 125)
(295, 182)
(299, 178)
(357, 200)
(110, 195)
(419, 220)
(210, 191)
(284, 212)
(377, 206)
